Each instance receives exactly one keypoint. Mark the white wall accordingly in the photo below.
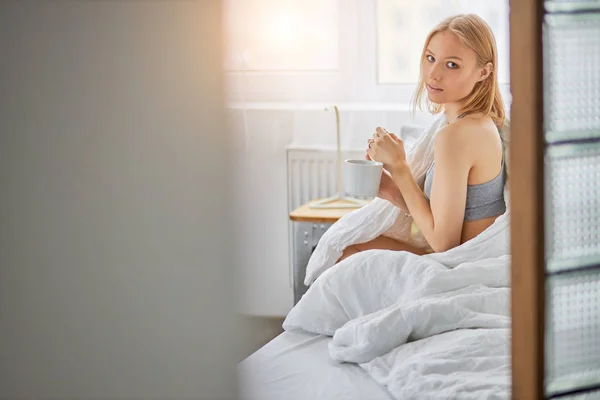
(115, 234)
(272, 110)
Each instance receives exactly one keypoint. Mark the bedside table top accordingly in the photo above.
(319, 215)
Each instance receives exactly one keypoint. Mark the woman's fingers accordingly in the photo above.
(396, 138)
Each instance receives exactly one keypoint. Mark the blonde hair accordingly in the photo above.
(485, 98)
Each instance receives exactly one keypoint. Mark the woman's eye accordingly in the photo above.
(452, 65)
(430, 58)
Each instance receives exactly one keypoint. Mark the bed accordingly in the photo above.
(297, 366)
(393, 325)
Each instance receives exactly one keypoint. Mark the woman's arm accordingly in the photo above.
(399, 202)
(388, 190)
(440, 219)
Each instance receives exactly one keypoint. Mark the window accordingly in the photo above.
(403, 25)
(282, 35)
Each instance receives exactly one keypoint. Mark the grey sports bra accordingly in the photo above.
(483, 200)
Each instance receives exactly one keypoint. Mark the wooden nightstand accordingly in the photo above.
(309, 226)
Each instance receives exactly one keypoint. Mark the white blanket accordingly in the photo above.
(426, 327)
(462, 364)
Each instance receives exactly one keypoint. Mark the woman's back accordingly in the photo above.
(486, 178)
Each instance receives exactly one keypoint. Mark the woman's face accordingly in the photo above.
(450, 69)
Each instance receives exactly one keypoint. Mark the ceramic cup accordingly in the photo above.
(362, 178)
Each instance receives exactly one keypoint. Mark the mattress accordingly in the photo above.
(297, 366)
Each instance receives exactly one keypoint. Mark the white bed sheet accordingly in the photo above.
(297, 366)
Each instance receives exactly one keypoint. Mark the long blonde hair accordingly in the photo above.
(485, 98)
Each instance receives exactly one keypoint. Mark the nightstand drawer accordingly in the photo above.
(306, 237)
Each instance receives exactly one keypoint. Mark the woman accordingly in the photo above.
(463, 192)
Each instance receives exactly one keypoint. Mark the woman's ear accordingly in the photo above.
(485, 72)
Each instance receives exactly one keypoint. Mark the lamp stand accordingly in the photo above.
(339, 200)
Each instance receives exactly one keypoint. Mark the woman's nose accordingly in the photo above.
(434, 72)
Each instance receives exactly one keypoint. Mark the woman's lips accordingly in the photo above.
(434, 89)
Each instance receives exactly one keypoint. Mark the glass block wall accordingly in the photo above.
(571, 43)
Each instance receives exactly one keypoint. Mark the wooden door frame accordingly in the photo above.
(526, 167)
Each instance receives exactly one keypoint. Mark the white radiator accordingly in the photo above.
(311, 173)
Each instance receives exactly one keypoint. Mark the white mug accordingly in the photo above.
(362, 178)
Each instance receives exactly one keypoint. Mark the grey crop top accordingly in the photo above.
(483, 200)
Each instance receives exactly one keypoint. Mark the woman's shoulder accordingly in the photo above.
(470, 132)
(472, 138)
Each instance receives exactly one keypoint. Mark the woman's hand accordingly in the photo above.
(387, 148)
(388, 190)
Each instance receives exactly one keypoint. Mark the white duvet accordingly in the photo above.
(426, 327)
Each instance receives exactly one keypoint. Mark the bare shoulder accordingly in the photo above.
(451, 138)
(468, 135)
